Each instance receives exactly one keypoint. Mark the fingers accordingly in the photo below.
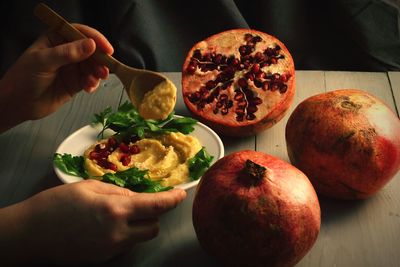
(143, 230)
(100, 40)
(151, 205)
(67, 53)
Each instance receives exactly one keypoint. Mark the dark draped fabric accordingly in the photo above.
(357, 35)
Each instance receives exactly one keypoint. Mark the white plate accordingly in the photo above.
(79, 141)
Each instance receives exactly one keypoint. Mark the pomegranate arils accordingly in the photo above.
(124, 147)
(256, 68)
(242, 82)
(134, 149)
(107, 165)
(125, 159)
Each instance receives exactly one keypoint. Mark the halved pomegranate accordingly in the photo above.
(239, 82)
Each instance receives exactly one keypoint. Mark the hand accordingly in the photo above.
(84, 222)
(49, 73)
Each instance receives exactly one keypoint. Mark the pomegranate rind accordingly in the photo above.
(274, 104)
(346, 141)
(274, 223)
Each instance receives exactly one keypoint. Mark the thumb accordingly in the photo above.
(68, 53)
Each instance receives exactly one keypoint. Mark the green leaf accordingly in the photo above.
(126, 121)
(69, 164)
(134, 179)
(199, 164)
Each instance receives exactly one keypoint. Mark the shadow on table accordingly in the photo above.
(333, 210)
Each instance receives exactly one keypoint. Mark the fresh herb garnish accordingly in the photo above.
(133, 179)
(69, 164)
(199, 164)
(126, 122)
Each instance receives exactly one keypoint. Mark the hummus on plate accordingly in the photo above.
(165, 157)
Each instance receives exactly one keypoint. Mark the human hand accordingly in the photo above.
(49, 73)
(85, 222)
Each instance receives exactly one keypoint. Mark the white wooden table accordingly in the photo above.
(353, 233)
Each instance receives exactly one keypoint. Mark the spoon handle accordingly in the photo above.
(70, 33)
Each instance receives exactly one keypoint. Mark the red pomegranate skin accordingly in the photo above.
(271, 103)
(346, 141)
(273, 222)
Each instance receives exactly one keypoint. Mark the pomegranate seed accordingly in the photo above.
(93, 155)
(134, 149)
(196, 54)
(273, 60)
(217, 59)
(239, 111)
(269, 51)
(219, 104)
(257, 101)
(249, 76)
(223, 97)
(275, 86)
(229, 104)
(252, 109)
(239, 118)
(99, 147)
(243, 50)
(250, 116)
(242, 104)
(277, 48)
(124, 148)
(210, 85)
(112, 142)
(215, 110)
(224, 111)
(257, 39)
(260, 75)
(283, 88)
(259, 56)
(256, 68)
(125, 159)
(257, 83)
(242, 82)
(265, 85)
(107, 165)
(248, 37)
(238, 96)
(206, 57)
(191, 69)
(283, 78)
(276, 76)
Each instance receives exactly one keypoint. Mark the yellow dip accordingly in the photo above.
(158, 103)
(165, 157)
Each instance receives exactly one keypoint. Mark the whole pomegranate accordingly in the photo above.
(346, 141)
(239, 82)
(252, 209)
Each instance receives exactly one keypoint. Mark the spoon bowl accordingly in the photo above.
(137, 82)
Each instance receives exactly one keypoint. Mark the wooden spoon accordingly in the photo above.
(152, 93)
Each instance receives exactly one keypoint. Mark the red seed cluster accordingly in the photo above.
(102, 151)
(212, 92)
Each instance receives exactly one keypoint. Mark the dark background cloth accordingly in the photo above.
(356, 35)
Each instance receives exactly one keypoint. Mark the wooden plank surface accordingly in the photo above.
(353, 233)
